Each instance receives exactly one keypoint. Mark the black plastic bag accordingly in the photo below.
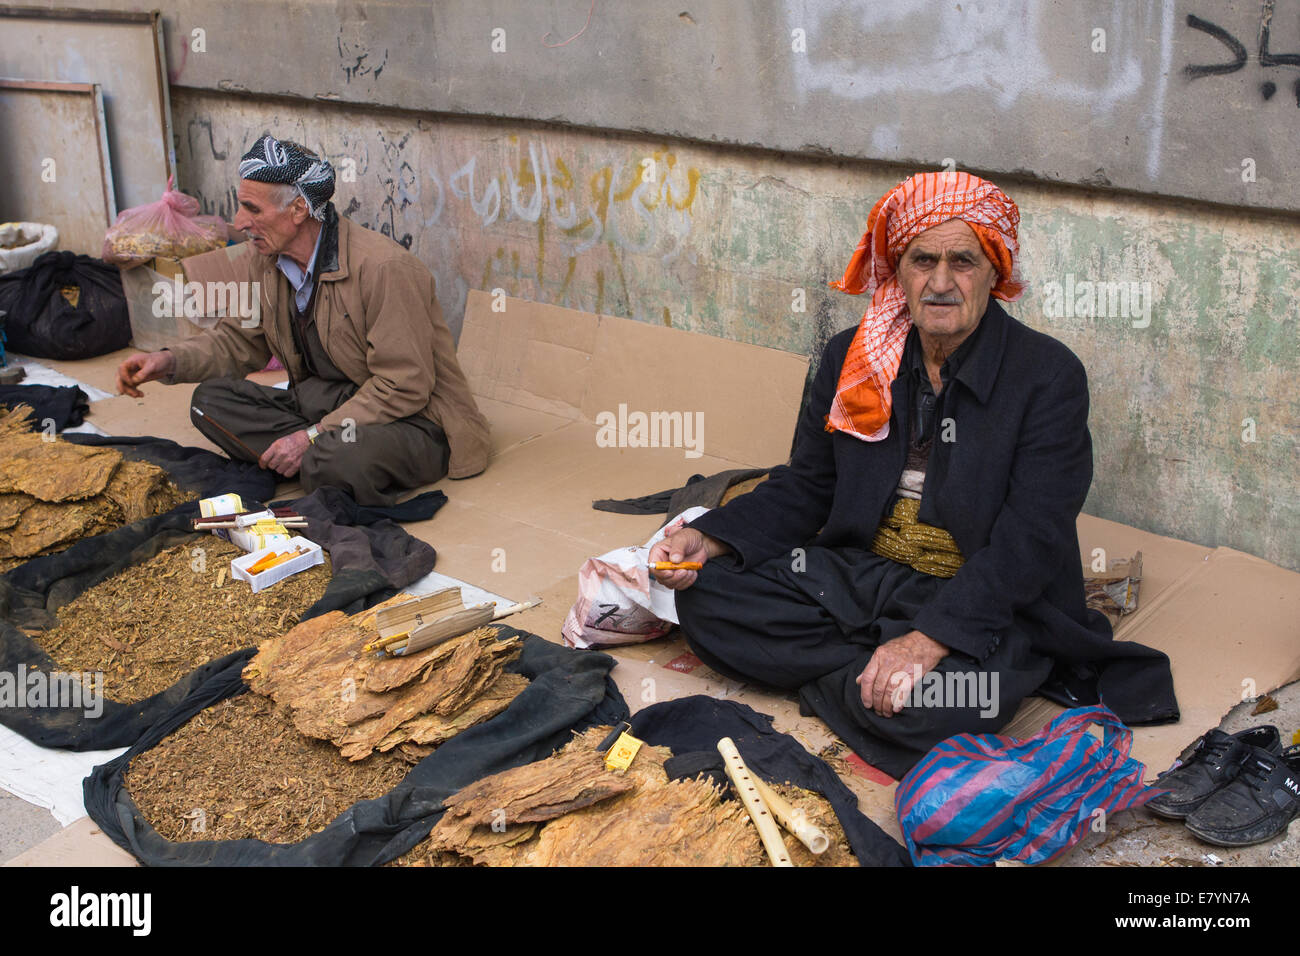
(44, 323)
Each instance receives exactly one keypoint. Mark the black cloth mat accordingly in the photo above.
(569, 692)
(420, 508)
(696, 724)
(64, 405)
(698, 490)
(370, 564)
(372, 557)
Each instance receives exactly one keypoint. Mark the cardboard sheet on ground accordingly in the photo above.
(525, 525)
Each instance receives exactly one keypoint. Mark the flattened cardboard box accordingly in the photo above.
(544, 373)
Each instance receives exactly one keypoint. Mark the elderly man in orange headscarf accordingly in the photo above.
(914, 571)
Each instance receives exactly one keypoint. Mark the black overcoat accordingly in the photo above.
(1007, 477)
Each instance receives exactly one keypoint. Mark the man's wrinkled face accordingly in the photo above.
(947, 279)
(270, 228)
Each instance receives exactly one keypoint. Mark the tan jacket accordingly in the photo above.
(379, 322)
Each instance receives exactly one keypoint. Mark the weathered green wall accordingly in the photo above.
(721, 240)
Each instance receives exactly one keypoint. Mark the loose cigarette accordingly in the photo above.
(261, 563)
(283, 522)
(515, 608)
(268, 561)
(753, 801)
(675, 565)
(386, 641)
(283, 558)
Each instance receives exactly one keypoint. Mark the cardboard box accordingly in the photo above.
(151, 301)
(162, 315)
(167, 267)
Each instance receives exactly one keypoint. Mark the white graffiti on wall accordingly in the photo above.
(658, 197)
(631, 202)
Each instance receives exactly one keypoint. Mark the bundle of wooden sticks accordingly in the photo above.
(283, 516)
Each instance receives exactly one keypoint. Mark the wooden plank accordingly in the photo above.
(42, 123)
(121, 51)
(73, 13)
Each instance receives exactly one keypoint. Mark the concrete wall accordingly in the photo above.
(1195, 415)
(506, 143)
(1191, 98)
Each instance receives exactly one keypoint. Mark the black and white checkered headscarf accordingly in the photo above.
(270, 161)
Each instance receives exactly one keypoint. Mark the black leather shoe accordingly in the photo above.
(1214, 763)
(1259, 803)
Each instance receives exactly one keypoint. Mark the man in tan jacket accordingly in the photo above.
(377, 403)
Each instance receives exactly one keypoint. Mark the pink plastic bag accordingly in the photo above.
(170, 227)
(618, 601)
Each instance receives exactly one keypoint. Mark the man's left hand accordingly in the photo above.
(285, 454)
(894, 667)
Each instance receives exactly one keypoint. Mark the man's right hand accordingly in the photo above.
(684, 545)
(143, 367)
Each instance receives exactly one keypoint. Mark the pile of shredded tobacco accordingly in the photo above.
(239, 769)
(148, 626)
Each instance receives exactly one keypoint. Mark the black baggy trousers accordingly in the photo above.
(372, 463)
(811, 621)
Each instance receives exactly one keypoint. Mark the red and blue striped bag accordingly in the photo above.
(977, 798)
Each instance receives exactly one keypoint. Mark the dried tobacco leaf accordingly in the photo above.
(319, 670)
(568, 810)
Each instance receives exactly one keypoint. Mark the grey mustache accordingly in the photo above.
(940, 300)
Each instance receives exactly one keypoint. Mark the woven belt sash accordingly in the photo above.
(924, 547)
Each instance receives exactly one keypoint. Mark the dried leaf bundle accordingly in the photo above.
(361, 702)
(568, 810)
(53, 493)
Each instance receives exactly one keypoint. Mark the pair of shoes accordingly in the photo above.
(1215, 761)
(1259, 803)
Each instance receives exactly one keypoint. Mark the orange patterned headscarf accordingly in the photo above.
(862, 398)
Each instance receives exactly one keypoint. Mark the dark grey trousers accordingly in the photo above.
(814, 629)
(372, 463)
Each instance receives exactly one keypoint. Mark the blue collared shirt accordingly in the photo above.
(301, 279)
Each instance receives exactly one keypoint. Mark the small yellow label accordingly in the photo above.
(624, 751)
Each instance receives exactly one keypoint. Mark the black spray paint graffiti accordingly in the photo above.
(1267, 59)
(401, 189)
(355, 56)
(198, 124)
(354, 151)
